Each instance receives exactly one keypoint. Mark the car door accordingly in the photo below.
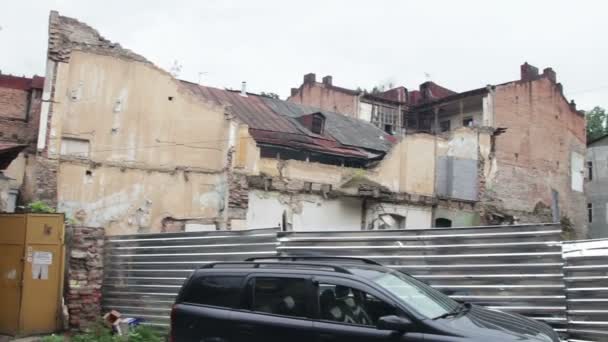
(347, 311)
(278, 309)
(203, 315)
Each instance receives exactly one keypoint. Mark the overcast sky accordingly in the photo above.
(271, 44)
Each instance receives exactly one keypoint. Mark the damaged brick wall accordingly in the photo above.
(533, 155)
(84, 275)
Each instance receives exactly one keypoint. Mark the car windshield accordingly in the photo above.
(417, 295)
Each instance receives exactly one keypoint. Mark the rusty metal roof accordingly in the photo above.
(273, 121)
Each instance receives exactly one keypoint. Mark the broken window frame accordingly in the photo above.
(468, 121)
(445, 125)
(318, 124)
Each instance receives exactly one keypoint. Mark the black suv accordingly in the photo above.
(318, 299)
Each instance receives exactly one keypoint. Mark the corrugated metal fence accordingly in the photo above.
(511, 268)
(586, 276)
(144, 272)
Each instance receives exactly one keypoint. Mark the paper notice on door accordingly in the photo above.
(40, 271)
(43, 258)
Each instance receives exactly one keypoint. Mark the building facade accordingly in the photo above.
(386, 109)
(128, 147)
(535, 140)
(596, 187)
(124, 145)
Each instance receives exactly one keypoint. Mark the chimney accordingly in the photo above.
(310, 78)
(294, 91)
(327, 80)
(528, 72)
(550, 74)
(244, 89)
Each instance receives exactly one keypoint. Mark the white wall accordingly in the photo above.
(265, 209)
(320, 214)
(415, 216)
(365, 111)
(304, 212)
(577, 171)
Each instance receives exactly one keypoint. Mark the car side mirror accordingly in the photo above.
(395, 323)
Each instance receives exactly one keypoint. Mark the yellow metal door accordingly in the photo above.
(12, 239)
(42, 274)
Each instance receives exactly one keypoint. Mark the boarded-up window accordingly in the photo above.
(577, 171)
(78, 148)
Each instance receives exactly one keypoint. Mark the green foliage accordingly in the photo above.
(270, 94)
(377, 89)
(596, 123)
(52, 338)
(39, 207)
(100, 333)
(142, 333)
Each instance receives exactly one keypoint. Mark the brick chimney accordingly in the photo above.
(528, 72)
(310, 78)
(294, 91)
(327, 80)
(550, 74)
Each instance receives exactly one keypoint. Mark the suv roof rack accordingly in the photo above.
(257, 264)
(310, 257)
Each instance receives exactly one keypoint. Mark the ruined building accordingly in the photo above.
(126, 146)
(386, 110)
(533, 140)
(20, 102)
(133, 149)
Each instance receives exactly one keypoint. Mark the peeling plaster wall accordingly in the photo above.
(156, 150)
(133, 200)
(459, 218)
(415, 216)
(303, 211)
(409, 166)
(457, 165)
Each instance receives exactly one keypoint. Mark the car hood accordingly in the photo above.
(500, 326)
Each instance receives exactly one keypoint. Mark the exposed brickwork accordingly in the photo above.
(533, 154)
(67, 34)
(44, 180)
(85, 275)
(326, 96)
(20, 101)
(13, 103)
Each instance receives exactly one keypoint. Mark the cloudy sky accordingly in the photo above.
(460, 44)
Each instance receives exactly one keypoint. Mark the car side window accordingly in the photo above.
(223, 291)
(345, 304)
(280, 296)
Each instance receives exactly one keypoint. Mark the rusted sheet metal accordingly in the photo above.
(276, 122)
